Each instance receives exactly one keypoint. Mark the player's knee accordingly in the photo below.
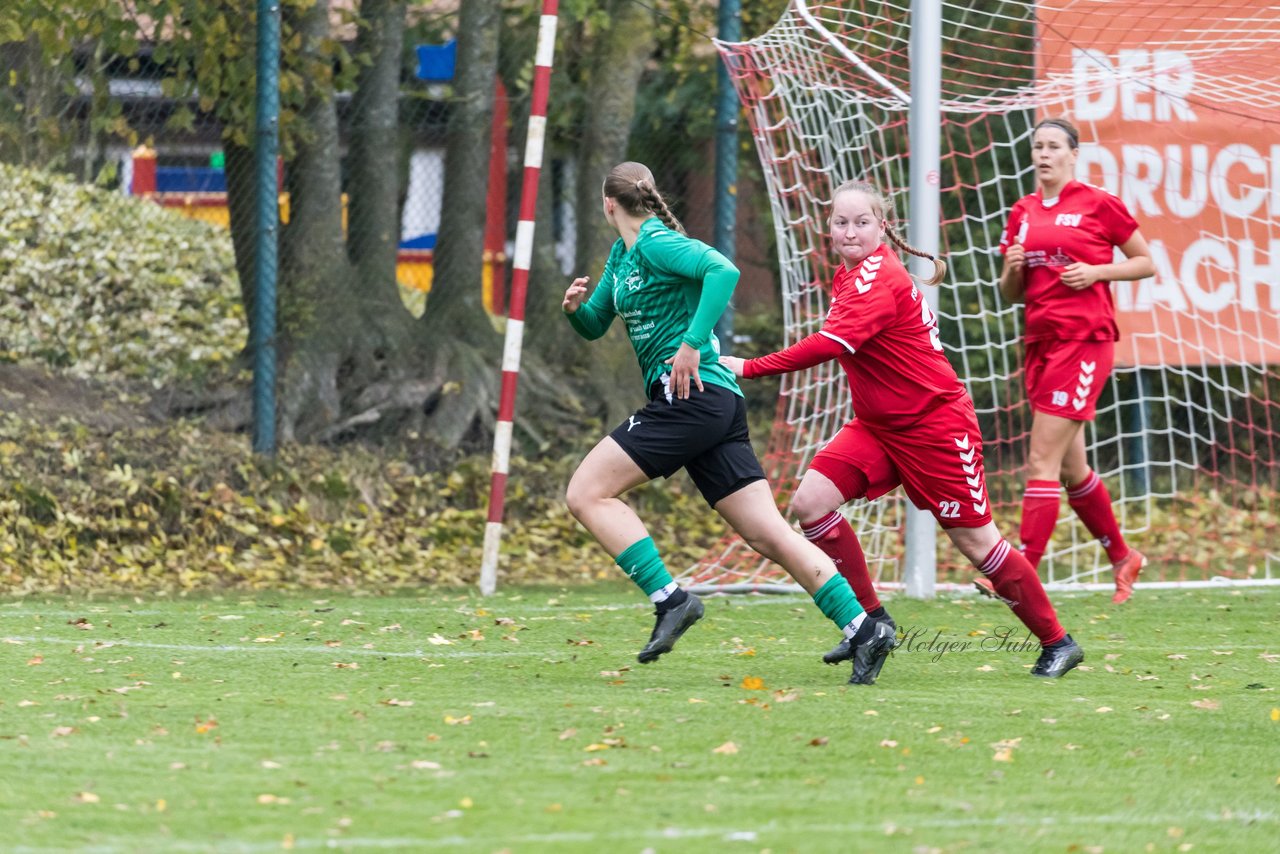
(807, 506)
(578, 497)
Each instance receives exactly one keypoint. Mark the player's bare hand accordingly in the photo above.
(734, 364)
(1015, 258)
(684, 370)
(1079, 276)
(575, 294)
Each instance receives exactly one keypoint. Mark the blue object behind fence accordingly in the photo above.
(190, 179)
(435, 62)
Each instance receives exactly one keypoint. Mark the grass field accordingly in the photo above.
(448, 722)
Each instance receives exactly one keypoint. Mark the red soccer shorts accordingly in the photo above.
(1065, 378)
(938, 461)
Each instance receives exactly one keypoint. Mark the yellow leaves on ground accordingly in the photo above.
(752, 683)
(1207, 704)
(726, 749)
(1004, 749)
(1275, 714)
(206, 725)
(450, 720)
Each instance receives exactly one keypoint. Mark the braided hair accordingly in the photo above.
(631, 185)
(883, 209)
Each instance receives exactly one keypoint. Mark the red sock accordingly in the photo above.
(834, 535)
(1016, 582)
(1039, 515)
(1092, 503)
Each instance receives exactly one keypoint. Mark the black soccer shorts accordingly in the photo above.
(706, 434)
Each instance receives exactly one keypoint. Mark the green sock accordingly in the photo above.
(643, 565)
(836, 601)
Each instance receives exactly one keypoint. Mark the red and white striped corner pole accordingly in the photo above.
(519, 287)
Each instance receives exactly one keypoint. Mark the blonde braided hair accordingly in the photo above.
(883, 209)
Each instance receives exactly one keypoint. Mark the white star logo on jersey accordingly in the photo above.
(1084, 383)
(867, 273)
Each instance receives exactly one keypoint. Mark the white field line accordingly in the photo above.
(677, 833)
(497, 607)
(781, 650)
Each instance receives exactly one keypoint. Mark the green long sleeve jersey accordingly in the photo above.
(669, 289)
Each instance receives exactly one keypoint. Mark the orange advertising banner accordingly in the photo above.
(1178, 119)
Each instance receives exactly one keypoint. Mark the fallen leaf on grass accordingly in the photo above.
(1210, 705)
(439, 640)
(595, 760)
(87, 797)
(752, 683)
(203, 726)
(424, 765)
(395, 702)
(62, 731)
(568, 734)
(465, 720)
(727, 749)
(888, 742)
(345, 665)
(820, 741)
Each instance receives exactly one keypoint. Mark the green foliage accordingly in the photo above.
(446, 721)
(99, 283)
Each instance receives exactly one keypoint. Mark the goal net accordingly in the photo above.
(1179, 113)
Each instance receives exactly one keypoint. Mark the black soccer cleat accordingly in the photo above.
(843, 651)
(869, 657)
(1058, 659)
(669, 626)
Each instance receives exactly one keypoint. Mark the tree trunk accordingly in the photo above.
(462, 350)
(318, 318)
(373, 172)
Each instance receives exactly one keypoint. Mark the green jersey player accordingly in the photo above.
(669, 290)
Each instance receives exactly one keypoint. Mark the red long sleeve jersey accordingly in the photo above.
(882, 331)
